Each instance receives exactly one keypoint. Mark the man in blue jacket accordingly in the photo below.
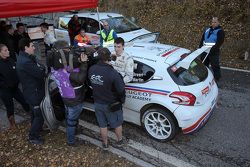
(213, 34)
(109, 94)
(31, 75)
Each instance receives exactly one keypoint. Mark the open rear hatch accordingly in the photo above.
(196, 82)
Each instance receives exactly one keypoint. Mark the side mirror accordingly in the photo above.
(98, 32)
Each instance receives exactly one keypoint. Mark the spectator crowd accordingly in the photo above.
(19, 66)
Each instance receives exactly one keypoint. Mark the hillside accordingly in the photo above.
(181, 22)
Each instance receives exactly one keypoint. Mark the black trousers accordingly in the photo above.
(71, 40)
(36, 122)
(213, 59)
(7, 95)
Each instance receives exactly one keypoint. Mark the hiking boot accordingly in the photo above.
(105, 147)
(12, 122)
(72, 144)
(44, 131)
(37, 141)
(76, 143)
(121, 143)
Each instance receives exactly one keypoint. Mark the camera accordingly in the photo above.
(77, 51)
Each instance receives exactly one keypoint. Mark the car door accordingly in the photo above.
(136, 93)
(52, 106)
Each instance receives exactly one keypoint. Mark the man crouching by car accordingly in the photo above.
(69, 69)
(109, 94)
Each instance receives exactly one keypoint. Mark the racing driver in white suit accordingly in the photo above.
(122, 62)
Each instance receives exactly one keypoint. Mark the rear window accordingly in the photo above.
(197, 72)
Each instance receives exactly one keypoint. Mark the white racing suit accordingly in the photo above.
(124, 64)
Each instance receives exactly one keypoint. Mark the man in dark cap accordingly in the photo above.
(109, 94)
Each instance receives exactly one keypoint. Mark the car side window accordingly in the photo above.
(63, 23)
(142, 72)
(93, 26)
(83, 22)
(90, 25)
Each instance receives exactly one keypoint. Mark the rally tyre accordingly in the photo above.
(159, 124)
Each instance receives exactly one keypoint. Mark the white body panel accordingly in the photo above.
(62, 33)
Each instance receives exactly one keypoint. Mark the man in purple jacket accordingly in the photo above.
(70, 81)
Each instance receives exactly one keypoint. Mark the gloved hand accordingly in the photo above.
(83, 58)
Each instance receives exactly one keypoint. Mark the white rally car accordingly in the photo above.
(171, 89)
(89, 21)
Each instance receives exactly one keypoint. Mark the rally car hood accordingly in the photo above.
(127, 36)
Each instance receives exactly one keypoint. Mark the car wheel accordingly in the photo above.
(159, 124)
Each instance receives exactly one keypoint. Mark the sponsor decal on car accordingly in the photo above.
(144, 96)
(212, 82)
(169, 52)
(165, 51)
(205, 91)
(143, 58)
(213, 102)
(159, 49)
(150, 91)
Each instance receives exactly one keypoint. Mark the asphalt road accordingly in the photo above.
(225, 139)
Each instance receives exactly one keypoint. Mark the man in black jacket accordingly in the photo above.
(109, 94)
(73, 28)
(213, 34)
(2, 30)
(19, 34)
(31, 75)
(9, 85)
(9, 41)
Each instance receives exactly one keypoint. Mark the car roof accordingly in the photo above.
(155, 54)
(93, 15)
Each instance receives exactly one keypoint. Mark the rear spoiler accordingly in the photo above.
(185, 63)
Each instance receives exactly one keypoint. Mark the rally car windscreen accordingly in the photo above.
(122, 24)
(197, 72)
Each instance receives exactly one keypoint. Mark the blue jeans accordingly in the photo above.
(72, 116)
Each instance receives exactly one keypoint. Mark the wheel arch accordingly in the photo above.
(155, 105)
